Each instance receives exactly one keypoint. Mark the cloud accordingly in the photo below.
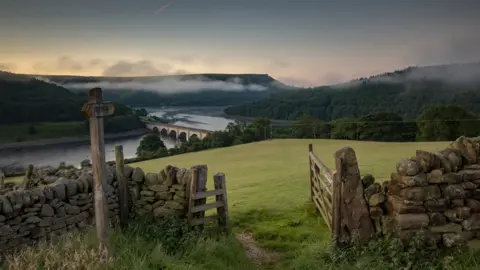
(466, 74)
(279, 64)
(139, 68)
(172, 84)
(66, 64)
(296, 81)
(333, 78)
(7, 67)
(462, 46)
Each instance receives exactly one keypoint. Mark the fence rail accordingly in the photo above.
(325, 192)
(198, 198)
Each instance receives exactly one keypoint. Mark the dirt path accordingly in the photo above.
(255, 253)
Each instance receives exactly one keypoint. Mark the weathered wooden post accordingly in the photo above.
(222, 211)
(122, 185)
(198, 183)
(95, 109)
(27, 177)
(2, 180)
(337, 205)
(310, 150)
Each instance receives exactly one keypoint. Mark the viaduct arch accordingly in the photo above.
(178, 132)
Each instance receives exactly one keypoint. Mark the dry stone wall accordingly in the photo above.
(435, 194)
(59, 200)
(160, 194)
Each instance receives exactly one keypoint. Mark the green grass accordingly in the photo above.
(143, 245)
(268, 184)
(16, 179)
(268, 189)
(46, 130)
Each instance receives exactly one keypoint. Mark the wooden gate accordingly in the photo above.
(325, 192)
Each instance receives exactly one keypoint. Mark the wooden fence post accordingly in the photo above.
(95, 109)
(310, 150)
(27, 177)
(198, 184)
(122, 185)
(222, 212)
(337, 205)
(2, 180)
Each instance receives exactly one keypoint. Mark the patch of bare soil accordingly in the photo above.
(255, 253)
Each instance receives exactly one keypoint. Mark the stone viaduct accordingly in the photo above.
(180, 133)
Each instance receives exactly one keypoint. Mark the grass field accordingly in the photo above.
(46, 130)
(268, 184)
(268, 191)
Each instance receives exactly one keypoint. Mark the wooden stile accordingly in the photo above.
(198, 197)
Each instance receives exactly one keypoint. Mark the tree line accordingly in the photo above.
(151, 146)
(436, 123)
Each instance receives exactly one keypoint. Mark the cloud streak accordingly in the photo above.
(171, 85)
(164, 6)
(66, 64)
(467, 74)
(7, 67)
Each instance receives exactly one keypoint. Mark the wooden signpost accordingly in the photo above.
(95, 110)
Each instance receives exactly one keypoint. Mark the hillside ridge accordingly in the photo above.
(405, 92)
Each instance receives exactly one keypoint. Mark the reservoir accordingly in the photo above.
(209, 118)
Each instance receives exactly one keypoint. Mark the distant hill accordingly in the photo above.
(404, 92)
(176, 90)
(25, 99)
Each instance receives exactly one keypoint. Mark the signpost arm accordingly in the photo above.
(99, 168)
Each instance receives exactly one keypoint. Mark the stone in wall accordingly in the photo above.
(163, 193)
(356, 213)
(61, 199)
(435, 194)
(50, 209)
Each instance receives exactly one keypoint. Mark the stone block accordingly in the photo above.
(408, 167)
(411, 221)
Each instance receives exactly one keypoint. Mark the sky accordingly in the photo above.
(299, 42)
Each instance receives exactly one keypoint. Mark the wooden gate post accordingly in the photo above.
(222, 211)
(310, 150)
(337, 204)
(2, 180)
(198, 183)
(122, 185)
(95, 110)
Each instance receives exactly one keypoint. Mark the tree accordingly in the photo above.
(260, 128)
(32, 130)
(141, 112)
(381, 126)
(446, 123)
(307, 126)
(150, 145)
(344, 129)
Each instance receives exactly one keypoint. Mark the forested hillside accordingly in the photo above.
(406, 93)
(26, 100)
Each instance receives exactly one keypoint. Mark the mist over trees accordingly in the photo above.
(407, 93)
